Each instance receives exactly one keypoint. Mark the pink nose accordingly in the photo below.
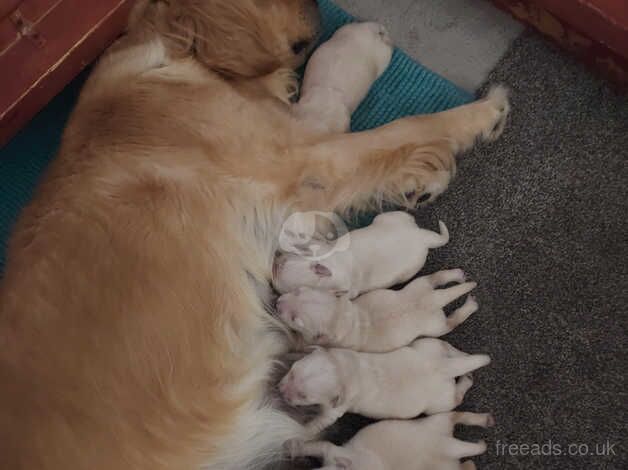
(283, 389)
(283, 308)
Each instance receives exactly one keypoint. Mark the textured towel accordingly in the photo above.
(406, 88)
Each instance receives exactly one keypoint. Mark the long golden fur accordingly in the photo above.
(133, 333)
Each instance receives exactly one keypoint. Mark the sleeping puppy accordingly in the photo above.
(389, 251)
(416, 379)
(421, 444)
(381, 320)
(340, 73)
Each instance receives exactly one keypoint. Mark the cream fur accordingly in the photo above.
(381, 320)
(339, 75)
(387, 252)
(422, 444)
(404, 383)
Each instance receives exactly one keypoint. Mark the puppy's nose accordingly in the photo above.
(282, 308)
(285, 391)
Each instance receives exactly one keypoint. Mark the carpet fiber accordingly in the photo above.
(539, 220)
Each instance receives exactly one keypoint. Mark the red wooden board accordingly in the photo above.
(44, 44)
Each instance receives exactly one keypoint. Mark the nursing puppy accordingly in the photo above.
(389, 251)
(416, 379)
(421, 444)
(339, 74)
(381, 320)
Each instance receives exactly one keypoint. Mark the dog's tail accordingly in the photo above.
(439, 239)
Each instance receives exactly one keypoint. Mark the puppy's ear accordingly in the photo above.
(313, 348)
(344, 463)
(321, 270)
(322, 339)
(335, 401)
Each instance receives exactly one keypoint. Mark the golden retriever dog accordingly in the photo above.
(133, 327)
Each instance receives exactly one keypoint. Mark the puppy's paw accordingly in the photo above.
(283, 83)
(293, 448)
(384, 36)
(383, 50)
(497, 98)
(471, 304)
(460, 276)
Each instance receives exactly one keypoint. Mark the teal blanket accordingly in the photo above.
(406, 88)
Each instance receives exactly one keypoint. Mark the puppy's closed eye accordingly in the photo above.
(344, 463)
(321, 338)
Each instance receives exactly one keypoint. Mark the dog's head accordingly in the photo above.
(236, 38)
(313, 380)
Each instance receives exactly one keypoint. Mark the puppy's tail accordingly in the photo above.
(439, 239)
(462, 365)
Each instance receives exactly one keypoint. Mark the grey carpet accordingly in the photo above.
(538, 219)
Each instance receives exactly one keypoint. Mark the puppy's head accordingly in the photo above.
(371, 40)
(236, 38)
(313, 313)
(313, 380)
(291, 271)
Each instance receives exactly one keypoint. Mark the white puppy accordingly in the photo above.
(387, 252)
(421, 444)
(340, 73)
(416, 379)
(381, 320)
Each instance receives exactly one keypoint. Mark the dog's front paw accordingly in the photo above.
(426, 190)
(284, 84)
(499, 107)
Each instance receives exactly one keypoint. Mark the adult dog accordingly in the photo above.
(133, 330)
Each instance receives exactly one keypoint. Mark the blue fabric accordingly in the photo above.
(406, 88)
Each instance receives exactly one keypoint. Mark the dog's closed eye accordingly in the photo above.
(299, 46)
